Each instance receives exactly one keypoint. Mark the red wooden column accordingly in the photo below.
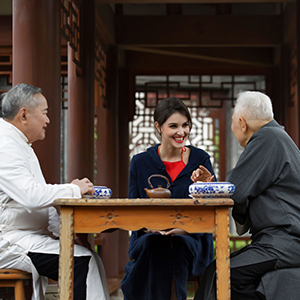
(81, 99)
(36, 61)
(297, 90)
(124, 115)
(107, 155)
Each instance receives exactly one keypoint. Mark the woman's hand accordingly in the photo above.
(168, 232)
(202, 174)
(174, 231)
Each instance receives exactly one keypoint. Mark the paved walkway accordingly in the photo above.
(51, 293)
(118, 297)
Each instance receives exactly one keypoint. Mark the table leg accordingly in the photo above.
(66, 257)
(222, 253)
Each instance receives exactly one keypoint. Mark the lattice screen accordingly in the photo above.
(204, 133)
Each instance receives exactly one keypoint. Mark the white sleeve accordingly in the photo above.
(54, 221)
(21, 179)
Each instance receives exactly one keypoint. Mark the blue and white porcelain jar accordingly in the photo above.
(216, 189)
(102, 192)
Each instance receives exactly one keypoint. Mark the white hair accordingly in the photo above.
(254, 105)
(17, 97)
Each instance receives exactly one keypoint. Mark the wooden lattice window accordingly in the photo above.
(5, 74)
(207, 96)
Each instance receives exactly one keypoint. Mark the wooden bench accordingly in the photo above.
(194, 281)
(114, 284)
(15, 278)
(235, 239)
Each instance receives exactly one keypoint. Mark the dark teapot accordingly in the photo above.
(158, 192)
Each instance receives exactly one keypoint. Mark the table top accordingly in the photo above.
(145, 202)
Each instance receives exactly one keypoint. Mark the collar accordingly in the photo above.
(13, 129)
(273, 123)
(193, 159)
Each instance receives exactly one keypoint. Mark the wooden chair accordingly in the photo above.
(15, 278)
(236, 239)
(195, 281)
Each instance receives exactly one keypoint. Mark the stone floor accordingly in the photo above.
(51, 293)
(118, 297)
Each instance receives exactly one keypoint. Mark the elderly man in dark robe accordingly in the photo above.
(266, 201)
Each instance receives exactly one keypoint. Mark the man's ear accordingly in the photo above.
(243, 124)
(22, 114)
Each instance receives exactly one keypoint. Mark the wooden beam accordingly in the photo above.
(224, 30)
(104, 19)
(152, 62)
(193, 1)
(261, 55)
(5, 30)
(244, 62)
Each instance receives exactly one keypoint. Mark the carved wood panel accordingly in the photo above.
(87, 219)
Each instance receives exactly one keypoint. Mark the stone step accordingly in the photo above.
(52, 292)
(119, 296)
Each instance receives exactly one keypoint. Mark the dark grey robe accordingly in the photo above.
(267, 181)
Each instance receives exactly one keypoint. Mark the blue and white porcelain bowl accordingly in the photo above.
(102, 192)
(211, 189)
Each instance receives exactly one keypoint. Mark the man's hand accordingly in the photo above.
(202, 174)
(85, 185)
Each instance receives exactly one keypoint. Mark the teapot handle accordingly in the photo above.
(158, 175)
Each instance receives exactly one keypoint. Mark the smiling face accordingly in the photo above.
(174, 131)
(37, 120)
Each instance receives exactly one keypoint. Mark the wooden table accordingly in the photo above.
(97, 215)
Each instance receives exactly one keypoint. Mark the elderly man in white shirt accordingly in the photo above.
(29, 224)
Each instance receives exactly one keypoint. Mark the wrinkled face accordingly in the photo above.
(175, 130)
(237, 129)
(37, 120)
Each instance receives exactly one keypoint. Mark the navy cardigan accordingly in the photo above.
(148, 163)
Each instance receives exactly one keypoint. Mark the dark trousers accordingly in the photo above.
(47, 265)
(244, 281)
(160, 258)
